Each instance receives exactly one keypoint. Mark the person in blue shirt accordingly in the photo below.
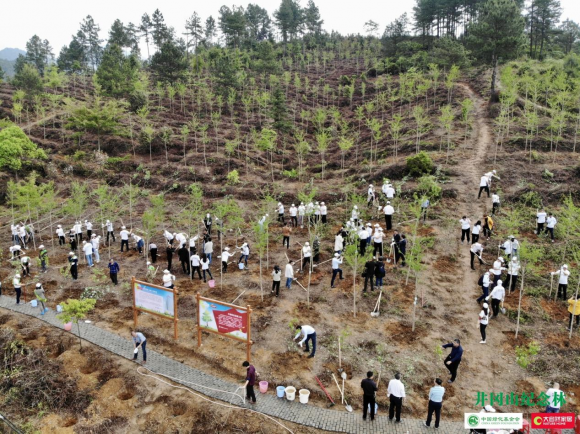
(453, 360)
(140, 341)
(435, 402)
(113, 270)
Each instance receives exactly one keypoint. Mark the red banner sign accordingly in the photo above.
(231, 321)
(553, 420)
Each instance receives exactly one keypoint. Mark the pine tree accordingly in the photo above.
(117, 74)
(88, 36)
(145, 28)
(279, 111)
(194, 30)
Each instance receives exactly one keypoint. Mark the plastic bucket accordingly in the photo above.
(211, 283)
(68, 326)
(304, 395)
(58, 308)
(290, 393)
(241, 266)
(263, 386)
(34, 303)
(280, 391)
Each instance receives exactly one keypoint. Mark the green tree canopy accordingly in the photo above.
(117, 73)
(28, 79)
(169, 64)
(17, 149)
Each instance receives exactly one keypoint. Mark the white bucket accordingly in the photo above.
(290, 393)
(241, 266)
(304, 395)
(34, 303)
(58, 308)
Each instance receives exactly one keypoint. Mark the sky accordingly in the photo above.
(58, 20)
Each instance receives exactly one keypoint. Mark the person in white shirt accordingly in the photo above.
(60, 235)
(192, 245)
(168, 279)
(96, 241)
(370, 196)
(494, 203)
(89, 227)
(195, 264)
(301, 212)
(378, 242)
(550, 225)
(354, 214)
(491, 175)
(139, 243)
(226, 255)
(17, 287)
(169, 237)
(309, 334)
(124, 238)
(515, 246)
(483, 186)
(14, 229)
(15, 251)
(293, 215)
(389, 211)
(262, 221)
(309, 212)
(153, 251)
(22, 235)
(485, 281)
(390, 193)
(276, 278)
(289, 274)
(465, 228)
(475, 232)
(497, 295)
(541, 220)
(507, 247)
(384, 187)
(208, 250)
(476, 250)
(512, 275)
(338, 243)
(88, 251)
(181, 239)
(336, 261)
(497, 269)
(555, 399)
(363, 236)
(396, 394)
(205, 266)
(306, 256)
(563, 281)
(323, 212)
(483, 321)
(245, 254)
(110, 232)
(280, 210)
(316, 212)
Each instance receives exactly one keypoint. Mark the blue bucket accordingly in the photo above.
(280, 391)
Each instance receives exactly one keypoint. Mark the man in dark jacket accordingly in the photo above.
(369, 273)
(369, 388)
(402, 246)
(74, 262)
(453, 360)
(169, 252)
(183, 254)
(250, 381)
(113, 270)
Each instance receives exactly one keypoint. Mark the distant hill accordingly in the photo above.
(11, 53)
(7, 66)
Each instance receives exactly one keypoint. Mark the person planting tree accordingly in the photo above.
(563, 281)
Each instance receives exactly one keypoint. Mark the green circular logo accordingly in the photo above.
(473, 420)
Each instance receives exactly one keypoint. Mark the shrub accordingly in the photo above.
(233, 177)
(137, 100)
(429, 187)
(290, 173)
(523, 354)
(531, 199)
(115, 162)
(420, 164)
(547, 175)
(79, 155)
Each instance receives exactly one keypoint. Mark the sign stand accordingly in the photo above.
(246, 309)
(136, 309)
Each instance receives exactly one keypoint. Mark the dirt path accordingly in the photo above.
(484, 368)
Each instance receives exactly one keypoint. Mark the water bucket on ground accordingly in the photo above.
(280, 391)
(263, 386)
(211, 283)
(290, 393)
(58, 308)
(241, 266)
(304, 395)
(68, 326)
(34, 303)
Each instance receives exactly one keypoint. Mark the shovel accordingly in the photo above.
(346, 405)
(376, 310)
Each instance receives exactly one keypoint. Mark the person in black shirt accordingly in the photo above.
(183, 254)
(369, 388)
(369, 274)
(169, 251)
(402, 247)
(453, 360)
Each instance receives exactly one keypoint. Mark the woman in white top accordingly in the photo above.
(475, 232)
(465, 227)
(338, 243)
(483, 320)
(168, 279)
(195, 263)
(276, 277)
(205, 266)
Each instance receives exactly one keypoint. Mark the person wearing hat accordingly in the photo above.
(562, 281)
(540, 221)
(494, 203)
(168, 279)
(465, 228)
(14, 229)
(507, 246)
(370, 233)
(206, 222)
(389, 211)
(497, 269)
(89, 227)
(484, 282)
(60, 235)
(389, 192)
(41, 298)
(25, 264)
(280, 209)
(113, 270)
(323, 212)
(96, 241)
(301, 213)
(286, 231)
(370, 196)
(226, 255)
(16, 251)
(484, 183)
(354, 215)
(336, 262)
(43, 256)
(363, 235)
(491, 175)
(72, 241)
(316, 212)
(476, 250)
(574, 309)
(293, 216)
(245, 254)
(306, 256)
(378, 241)
(88, 251)
(124, 238)
(483, 321)
(512, 275)
(110, 231)
(497, 295)
(338, 243)
(453, 359)
(17, 287)
(550, 225)
(74, 262)
(150, 270)
(276, 277)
